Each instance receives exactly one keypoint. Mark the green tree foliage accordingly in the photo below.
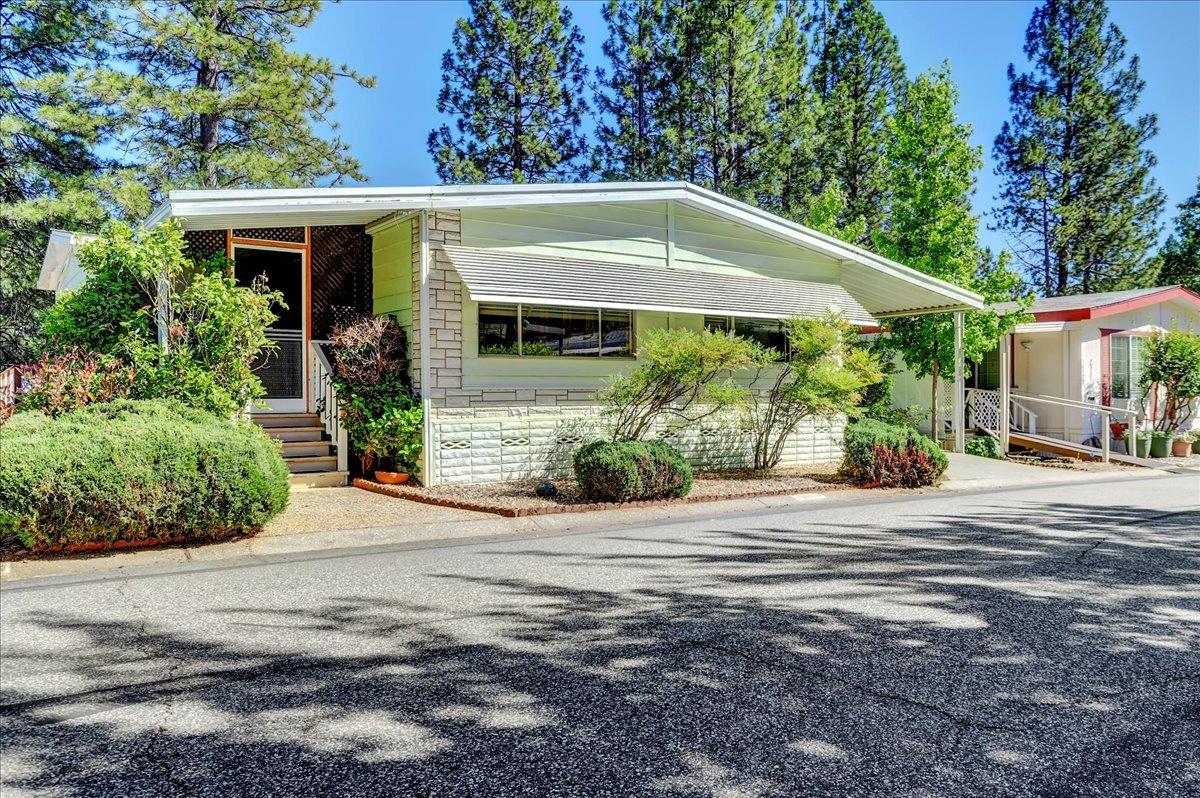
(48, 162)
(931, 169)
(513, 83)
(790, 154)
(1077, 198)
(1172, 363)
(629, 133)
(1179, 258)
(213, 95)
(858, 79)
(823, 377)
(188, 330)
(683, 375)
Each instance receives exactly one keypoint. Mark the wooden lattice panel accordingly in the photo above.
(290, 235)
(341, 276)
(203, 244)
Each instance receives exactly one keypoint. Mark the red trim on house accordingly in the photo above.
(1100, 311)
(1106, 366)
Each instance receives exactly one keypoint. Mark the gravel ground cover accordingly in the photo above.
(520, 497)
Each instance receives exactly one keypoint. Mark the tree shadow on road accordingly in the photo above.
(913, 656)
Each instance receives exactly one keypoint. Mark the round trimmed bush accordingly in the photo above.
(133, 470)
(985, 446)
(891, 455)
(624, 471)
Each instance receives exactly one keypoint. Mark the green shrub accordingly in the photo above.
(889, 455)
(985, 446)
(623, 471)
(131, 470)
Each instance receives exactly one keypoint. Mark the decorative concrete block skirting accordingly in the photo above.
(504, 444)
(418, 495)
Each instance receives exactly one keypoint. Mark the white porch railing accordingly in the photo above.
(325, 401)
(985, 411)
(10, 386)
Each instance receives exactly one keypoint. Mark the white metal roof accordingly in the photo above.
(518, 277)
(882, 286)
(60, 258)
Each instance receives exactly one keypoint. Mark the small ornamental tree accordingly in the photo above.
(1172, 362)
(823, 377)
(684, 375)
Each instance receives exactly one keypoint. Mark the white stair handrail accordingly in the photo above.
(325, 402)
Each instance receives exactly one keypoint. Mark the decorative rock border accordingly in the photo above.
(417, 495)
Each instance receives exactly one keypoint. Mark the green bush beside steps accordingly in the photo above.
(625, 471)
(892, 456)
(133, 470)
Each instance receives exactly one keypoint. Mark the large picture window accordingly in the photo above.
(767, 332)
(546, 331)
(1126, 365)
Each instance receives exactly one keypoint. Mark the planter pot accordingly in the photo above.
(1181, 447)
(1143, 446)
(1159, 447)
(391, 477)
(1196, 446)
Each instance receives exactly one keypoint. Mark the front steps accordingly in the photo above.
(307, 450)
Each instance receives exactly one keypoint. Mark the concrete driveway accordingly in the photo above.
(1026, 642)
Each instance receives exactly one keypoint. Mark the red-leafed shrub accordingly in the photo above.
(907, 467)
(74, 378)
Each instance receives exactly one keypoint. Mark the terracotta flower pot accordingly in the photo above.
(391, 477)
(1181, 447)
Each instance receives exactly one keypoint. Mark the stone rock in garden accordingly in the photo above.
(546, 489)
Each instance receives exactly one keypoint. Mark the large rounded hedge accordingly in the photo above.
(891, 455)
(623, 471)
(133, 470)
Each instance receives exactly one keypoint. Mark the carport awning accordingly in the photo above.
(518, 277)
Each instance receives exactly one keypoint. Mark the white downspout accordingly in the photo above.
(427, 475)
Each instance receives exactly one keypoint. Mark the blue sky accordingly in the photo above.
(401, 44)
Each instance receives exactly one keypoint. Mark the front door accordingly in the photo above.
(281, 371)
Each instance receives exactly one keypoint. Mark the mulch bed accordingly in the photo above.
(516, 499)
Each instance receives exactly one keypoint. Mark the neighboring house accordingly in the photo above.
(1085, 348)
(535, 296)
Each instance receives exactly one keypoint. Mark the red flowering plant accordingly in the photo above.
(72, 378)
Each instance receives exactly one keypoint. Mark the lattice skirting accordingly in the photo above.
(503, 444)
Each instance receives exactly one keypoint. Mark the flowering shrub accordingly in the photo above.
(74, 378)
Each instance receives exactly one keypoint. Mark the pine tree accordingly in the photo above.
(1179, 258)
(790, 153)
(630, 142)
(513, 82)
(48, 165)
(931, 169)
(215, 96)
(858, 78)
(1077, 198)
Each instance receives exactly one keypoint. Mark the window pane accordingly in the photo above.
(617, 329)
(560, 331)
(1137, 353)
(717, 323)
(767, 332)
(497, 329)
(1119, 345)
(989, 371)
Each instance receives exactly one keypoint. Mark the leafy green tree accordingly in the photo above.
(1172, 362)
(931, 168)
(513, 82)
(858, 79)
(214, 95)
(630, 141)
(1077, 197)
(1179, 258)
(823, 376)
(48, 162)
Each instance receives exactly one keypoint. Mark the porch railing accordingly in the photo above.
(10, 386)
(985, 411)
(325, 401)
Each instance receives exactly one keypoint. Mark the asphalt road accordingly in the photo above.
(1032, 642)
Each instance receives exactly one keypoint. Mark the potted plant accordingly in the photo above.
(1143, 443)
(1195, 441)
(1160, 443)
(1181, 445)
(395, 438)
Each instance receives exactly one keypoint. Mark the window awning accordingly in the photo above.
(518, 277)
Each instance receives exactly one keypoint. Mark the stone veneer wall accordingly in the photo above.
(500, 434)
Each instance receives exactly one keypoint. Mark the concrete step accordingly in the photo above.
(296, 433)
(305, 465)
(293, 449)
(273, 420)
(317, 479)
